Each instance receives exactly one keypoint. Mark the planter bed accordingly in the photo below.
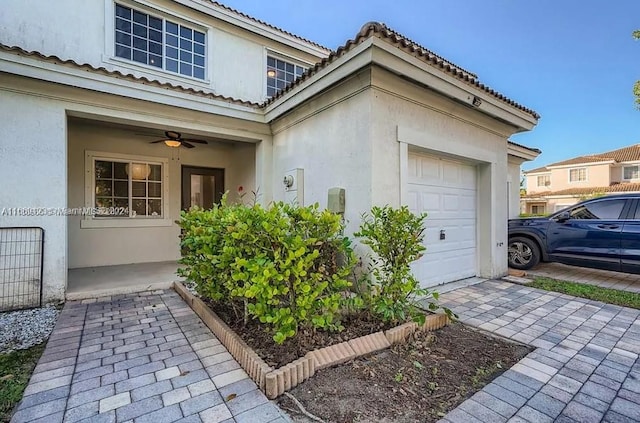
(336, 349)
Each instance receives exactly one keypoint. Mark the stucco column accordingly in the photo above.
(34, 176)
(264, 170)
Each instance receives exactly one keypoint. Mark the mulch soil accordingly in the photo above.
(275, 355)
(419, 381)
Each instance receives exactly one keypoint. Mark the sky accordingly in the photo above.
(572, 61)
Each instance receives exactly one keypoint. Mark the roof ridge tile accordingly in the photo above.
(384, 32)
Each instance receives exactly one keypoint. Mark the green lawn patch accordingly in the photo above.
(15, 370)
(591, 292)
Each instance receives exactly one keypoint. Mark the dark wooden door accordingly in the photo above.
(201, 186)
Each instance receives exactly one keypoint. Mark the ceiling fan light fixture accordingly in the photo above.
(172, 143)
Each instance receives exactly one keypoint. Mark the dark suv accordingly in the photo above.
(603, 233)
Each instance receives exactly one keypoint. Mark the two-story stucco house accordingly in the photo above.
(558, 185)
(108, 104)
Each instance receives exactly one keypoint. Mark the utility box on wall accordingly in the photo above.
(336, 200)
(293, 182)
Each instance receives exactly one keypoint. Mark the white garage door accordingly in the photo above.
(446, 190)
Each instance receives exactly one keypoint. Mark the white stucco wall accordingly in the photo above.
(513, 183)
(83, 31)
(122, 245)
(408, 118)
(33, 174)
(332, 147)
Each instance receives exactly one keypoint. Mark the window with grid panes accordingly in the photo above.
(544, 180)
(280, 73)
(578, 174)
(631, 172)
(134, 185)
(159, 42)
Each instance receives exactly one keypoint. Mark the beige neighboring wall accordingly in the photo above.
(598, 175)
(122, 245)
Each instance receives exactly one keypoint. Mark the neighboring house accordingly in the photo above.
(562, 184)
(85, 86)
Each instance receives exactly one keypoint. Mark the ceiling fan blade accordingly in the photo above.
(156, 141)
(193, 141)
(186, 144)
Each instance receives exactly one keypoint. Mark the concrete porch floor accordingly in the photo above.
(93, 282)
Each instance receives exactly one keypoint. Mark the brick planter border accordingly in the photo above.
(275, 382)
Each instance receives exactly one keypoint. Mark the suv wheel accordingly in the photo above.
(523, 253)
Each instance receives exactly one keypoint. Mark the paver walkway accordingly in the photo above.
(603, 278)
(585, 367)
(143, 357)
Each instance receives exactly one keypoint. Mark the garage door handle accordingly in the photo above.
(608, 226)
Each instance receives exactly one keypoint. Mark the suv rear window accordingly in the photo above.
(605, 209)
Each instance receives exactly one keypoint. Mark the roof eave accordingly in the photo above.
(103, 81)
(376, 51)
(521, 152)
(581, 164)
(439, 81)
(248, 23)
(350, 62)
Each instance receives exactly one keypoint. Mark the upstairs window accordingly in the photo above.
(631, 172)
(159, 42)
(578, 174)
(280, 73)
(544, 180)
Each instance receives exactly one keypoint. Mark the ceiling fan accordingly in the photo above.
(174, 139)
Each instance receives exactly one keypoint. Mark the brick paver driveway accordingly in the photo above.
(585, 367)
(142, 358)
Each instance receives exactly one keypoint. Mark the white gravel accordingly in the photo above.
(23, 329)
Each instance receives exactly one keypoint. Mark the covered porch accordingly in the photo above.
(129, 184)
(103, 281)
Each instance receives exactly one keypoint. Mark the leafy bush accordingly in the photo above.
(284, 265)
(395, 237)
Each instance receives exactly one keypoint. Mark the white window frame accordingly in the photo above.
(123, 222)
(280, 56)
(547, 178)
(143, 6)
(637, 166)
(544, 208)
(586, 174)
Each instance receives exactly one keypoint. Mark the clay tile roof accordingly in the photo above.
(625, 154)
(130, 77)
(244, 15)
(376, 29)
(537, 170)
(617, 188)
(535, 150)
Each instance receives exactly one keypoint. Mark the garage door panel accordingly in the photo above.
(446, 191)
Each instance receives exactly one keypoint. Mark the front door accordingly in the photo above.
(201, 186)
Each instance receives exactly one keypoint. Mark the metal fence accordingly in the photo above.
(21, 255)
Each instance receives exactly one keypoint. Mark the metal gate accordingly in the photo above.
(21, 256)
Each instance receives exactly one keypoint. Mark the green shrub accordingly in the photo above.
(284, 265)
(395, 237)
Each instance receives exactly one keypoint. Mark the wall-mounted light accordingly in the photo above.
(271, 73)
(172, 143)
(476, 101)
